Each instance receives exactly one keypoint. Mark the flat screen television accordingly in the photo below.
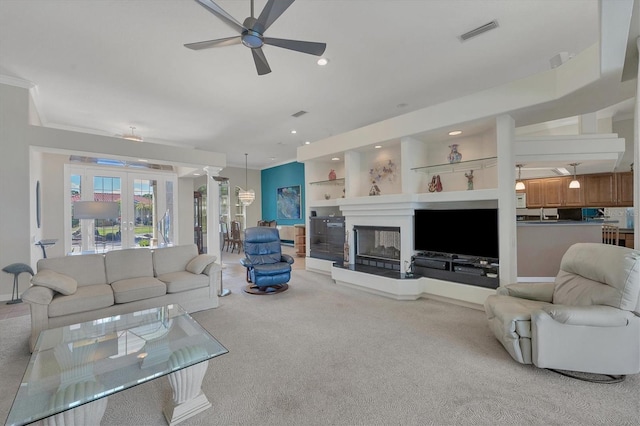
(472, 232)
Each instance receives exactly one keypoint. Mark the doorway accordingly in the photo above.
(144, 203)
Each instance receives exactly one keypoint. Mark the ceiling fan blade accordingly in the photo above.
(272, 11)
(261, 61)
(309, 47)
(220, 13)
(214, 43)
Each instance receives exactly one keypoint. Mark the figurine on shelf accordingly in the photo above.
(469, 177)
(432, 185)
(374, 188)
(454, 155)
(327, 196)
(438, 184)
(332, 175)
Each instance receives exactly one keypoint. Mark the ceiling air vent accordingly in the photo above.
(299, 113)
(481, 29)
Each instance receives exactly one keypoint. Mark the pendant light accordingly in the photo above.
(246, 196)
(519, 182)
(575, 183)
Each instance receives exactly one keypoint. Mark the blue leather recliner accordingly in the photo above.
(268, 269)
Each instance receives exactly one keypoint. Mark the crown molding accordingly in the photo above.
(17, 82)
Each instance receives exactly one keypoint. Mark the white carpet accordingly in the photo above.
(322, 354)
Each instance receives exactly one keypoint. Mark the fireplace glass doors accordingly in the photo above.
(377, 246)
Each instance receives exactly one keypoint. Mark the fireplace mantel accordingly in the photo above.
(397, 210)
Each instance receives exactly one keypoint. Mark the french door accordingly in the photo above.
(143, 204)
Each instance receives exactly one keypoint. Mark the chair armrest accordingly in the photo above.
(542, 292)
(38, 295)
(246, 263)
(212, 268)
(287, 258)
(593, 316)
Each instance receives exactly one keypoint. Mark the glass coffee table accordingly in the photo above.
(73, 369)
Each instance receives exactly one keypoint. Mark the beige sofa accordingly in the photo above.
(72, 289)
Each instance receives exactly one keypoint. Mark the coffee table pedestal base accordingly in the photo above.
(188, 398)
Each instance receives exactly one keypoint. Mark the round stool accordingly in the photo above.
(16, 269)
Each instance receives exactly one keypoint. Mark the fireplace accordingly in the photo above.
(377, 246)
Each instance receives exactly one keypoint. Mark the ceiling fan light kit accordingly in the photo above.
(132, 136)
(252, 33)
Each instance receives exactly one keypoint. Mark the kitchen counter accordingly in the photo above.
(541, 245)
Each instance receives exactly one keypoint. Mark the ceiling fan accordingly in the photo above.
(252, 33)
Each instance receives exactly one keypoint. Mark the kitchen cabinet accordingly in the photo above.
(600, 190)
(624, 185)
(554, 192)
(326, 238)
(535, 193)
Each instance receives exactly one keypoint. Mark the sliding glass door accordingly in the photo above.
(113, 209)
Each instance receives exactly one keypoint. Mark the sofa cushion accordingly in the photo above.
(599, 274)
(183, 280)
(173, 259)
(133, 289)
(198, 263)
(87, 269)
(129, 263)
(55, 281)
(86, 298)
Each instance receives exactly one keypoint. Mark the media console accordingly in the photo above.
(450, 267)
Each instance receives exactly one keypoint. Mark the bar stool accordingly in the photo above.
(16, 269)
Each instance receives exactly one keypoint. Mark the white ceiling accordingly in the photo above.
(101, 66)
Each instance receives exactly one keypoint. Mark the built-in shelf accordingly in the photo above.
(481, 163)
(339, 181)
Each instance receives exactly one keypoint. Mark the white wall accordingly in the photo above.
(22, 163)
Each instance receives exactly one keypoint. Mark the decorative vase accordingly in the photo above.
(327, 196)
(374, 189)
(454, 155)
(332, 175)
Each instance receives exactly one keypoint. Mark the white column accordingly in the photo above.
(636, 163)
(505, 137)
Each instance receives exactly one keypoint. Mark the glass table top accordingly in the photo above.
(80, 363)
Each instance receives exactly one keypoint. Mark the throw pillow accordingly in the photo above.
(198, 263)
(55, 281)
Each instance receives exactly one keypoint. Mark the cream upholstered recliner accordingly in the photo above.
(587, 321)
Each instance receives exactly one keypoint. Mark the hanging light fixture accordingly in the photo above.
(575, 183)
(519, 182)
(246, 196)
(132, 136)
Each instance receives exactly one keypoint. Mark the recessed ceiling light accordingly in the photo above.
(455, 132)
(272, 158)
(293, 132)
(142, 160)
(323, 61)
(196, 174)
(307, 142)
(378, 146)
(335, 159)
